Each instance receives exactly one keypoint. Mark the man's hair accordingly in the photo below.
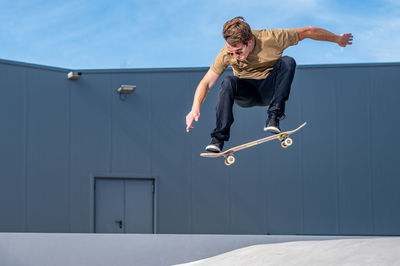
(237, 31)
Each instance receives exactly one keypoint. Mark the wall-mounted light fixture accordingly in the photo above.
(74, 75)
(124, 90)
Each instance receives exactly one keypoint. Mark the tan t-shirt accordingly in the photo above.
(270, 45)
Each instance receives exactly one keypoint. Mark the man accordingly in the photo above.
(262, 77)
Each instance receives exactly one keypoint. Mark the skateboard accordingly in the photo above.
(283, 137)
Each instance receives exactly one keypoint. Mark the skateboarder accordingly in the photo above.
(262, 76)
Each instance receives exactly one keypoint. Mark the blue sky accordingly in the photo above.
(106, 34)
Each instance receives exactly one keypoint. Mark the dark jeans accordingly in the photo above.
(273, 91)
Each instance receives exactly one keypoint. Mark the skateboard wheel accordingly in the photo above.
(286, 142)
(229, 160)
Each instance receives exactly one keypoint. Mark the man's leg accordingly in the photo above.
(224, 114)
(282, 77)
(284, 73)
(242, 91)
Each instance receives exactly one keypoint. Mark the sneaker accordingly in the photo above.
(272, 125)
(215, 145)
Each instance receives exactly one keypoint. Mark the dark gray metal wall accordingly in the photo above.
(341, 176)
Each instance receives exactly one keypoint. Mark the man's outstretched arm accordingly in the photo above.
(200, 95)
(324, 35)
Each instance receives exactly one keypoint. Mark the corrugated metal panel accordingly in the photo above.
(12, 148)
(47, 152)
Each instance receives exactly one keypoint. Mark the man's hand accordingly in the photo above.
(202, 89)
(320, 34)
(345, 39)
(192, 115)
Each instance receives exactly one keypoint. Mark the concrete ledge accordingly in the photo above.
(130, 249)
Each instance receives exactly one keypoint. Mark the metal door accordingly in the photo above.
(124, 206)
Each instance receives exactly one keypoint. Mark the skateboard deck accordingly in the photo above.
(283, 137)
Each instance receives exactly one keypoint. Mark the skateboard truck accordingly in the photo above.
(285, 141)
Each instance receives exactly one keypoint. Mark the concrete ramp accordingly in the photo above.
(375, 251)
(33, 249)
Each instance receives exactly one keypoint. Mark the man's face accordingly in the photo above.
(240, 51)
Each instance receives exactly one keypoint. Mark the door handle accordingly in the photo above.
(120, 223)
